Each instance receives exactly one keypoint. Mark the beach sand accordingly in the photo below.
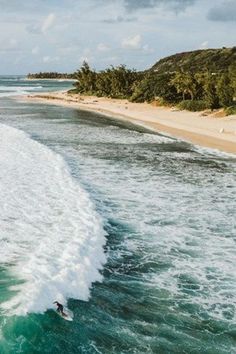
(201, 128)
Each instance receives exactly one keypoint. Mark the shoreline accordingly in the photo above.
(200, 128)
(49, 79)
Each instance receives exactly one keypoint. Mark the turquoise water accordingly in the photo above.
(135, 230)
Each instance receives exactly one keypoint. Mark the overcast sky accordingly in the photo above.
(57, 35)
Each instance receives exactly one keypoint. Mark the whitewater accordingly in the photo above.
(51, 237)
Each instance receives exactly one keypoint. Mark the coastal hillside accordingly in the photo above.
(195, 80)
(199, 80)
(213, 60)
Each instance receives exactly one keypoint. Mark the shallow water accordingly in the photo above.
(135, 229)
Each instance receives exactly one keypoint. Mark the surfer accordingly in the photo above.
(60, 308)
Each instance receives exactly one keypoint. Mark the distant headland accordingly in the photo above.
(51, 75)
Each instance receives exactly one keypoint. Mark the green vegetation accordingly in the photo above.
(115, 82)
(153, 87)
(51, 75)
(205, 77)
(212, 60)
(194, 81)
(193, 105)
(230, 110)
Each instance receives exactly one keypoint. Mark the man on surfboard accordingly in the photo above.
(60, 308)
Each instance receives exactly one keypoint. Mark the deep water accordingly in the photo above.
(135, 229)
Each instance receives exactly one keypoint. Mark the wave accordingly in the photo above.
(19, 88)
(7, 91)
(52, 237)
(15, 93)
(7, 78)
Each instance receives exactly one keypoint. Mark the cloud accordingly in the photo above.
(33, 28)
(115, 30)
(35, 50)
(132, 42)
(48, 23)
(224, 12)
(11, 45)
(135, 43)
(120, 19)
(87, 55)
(176, 5)
(12, 5)
(204, 45)
(147, 49)
(43, 27)
(103, 47)
(48, 59)
(34, 6)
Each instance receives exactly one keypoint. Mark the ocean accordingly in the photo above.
(134, 231)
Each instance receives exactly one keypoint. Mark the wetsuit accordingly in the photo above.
(60, 308)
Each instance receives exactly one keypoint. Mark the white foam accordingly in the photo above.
(214, 152)
(13, 93)
(50, 233)
(115, 135)
(183, 214)
(8, 91)
(19, 88)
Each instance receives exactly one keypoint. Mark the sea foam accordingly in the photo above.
(8, 91)
(51, 236)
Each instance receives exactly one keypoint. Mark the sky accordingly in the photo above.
(58, 35)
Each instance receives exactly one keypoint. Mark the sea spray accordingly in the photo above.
(51, 236)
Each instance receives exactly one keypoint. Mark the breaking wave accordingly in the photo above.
(52, 237)
(7, 91)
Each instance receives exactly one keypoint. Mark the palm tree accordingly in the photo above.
(185, 84)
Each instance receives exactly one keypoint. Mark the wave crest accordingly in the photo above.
(52, 236)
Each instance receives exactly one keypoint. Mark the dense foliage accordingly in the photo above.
(194, 80)
(115, 82)
(206, 89)
(212, 60)
(50, 75)
(193, 106)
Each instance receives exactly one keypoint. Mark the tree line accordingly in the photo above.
(50, 75)
(115, 82)
(193, 91)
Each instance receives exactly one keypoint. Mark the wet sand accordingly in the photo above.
(208, 129)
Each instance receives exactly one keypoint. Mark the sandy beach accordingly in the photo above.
(202, 128)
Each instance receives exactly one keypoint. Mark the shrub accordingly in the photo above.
(73, 91)
(160, 102)
(210, 92)
(155, 85)
(193, 106)
(225, 90)
(230, 110)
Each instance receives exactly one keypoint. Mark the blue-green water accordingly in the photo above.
(134, 229)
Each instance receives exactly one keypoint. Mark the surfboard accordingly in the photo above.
(68, 314)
